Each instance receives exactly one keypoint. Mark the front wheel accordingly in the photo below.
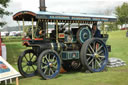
(49, 64)
(94, 55)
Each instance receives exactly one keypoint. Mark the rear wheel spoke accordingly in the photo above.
(94, 45)
(102, 56)
(89, 55)
(99, 48)
(88, 58)
(100, 52)
(91, 61)
(97, 45)
(98, 63)
(91, 48)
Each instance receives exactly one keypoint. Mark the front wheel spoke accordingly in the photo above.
(46, 58)
(53, 59)
(49, 57)
(51, 70)
(44, 67)
(55, 67)
(91, 48)
(44, 61)
(45, 70)
(54, 63)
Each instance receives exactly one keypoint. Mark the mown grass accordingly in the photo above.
(113, 76)
(14, 49)
(119, 43)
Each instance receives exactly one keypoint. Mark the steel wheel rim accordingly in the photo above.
(97, 56)
(28, 64)
(50, 65)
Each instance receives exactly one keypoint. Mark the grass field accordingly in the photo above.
(113, 76)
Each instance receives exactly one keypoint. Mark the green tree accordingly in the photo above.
(3, 6)
(122, 13)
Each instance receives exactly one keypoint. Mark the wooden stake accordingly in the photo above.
(17, 81)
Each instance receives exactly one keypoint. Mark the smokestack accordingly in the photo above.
(42, 5)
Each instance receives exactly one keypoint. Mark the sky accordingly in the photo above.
(73, 6)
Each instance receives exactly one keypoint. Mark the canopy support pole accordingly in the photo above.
(103, 28)
(23, 28)
(69, 25)
(47, 29)
(78, 24)
(57, 31)
(32, 28)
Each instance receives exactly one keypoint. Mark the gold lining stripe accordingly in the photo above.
(58, 46)
(52, 46)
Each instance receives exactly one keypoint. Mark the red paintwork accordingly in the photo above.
(26, 43)
(61, 35)
(20, 14)
(26, 39)
(38, 39)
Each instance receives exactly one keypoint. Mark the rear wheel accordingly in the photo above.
(27, 63)
(94, 55)
(49, 64)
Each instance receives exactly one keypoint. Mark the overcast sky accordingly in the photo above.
(78, 6)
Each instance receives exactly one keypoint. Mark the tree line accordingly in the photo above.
(121, 13)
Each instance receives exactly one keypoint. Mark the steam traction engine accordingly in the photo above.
(61, 39)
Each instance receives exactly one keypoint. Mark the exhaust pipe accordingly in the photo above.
(42, 5)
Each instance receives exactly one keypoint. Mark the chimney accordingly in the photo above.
(42, 5)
